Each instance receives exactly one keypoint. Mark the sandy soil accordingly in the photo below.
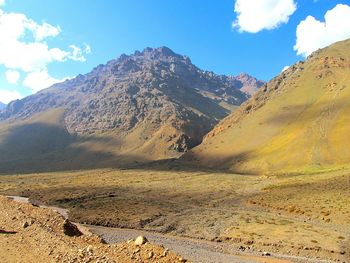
(303, 216)
(31, 234)
(191, 249)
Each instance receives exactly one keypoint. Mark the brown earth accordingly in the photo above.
(300, 216)
(32, 235)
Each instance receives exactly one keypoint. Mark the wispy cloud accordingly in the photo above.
(39, 80)
(9, 95)
(313, 34)
(23, 48)
(254, 16)
(12, 76)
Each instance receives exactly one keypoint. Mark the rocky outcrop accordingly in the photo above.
(70, 229)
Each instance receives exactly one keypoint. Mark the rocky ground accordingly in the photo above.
(199, 250)
(33, 234)
(136, 250)
(301, 216)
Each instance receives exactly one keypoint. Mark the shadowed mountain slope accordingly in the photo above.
(2, 105)
(150, 105)
(299, 122)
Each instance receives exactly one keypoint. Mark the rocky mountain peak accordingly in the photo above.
(153, 102)
(243, 76)
(164, 51)
(160, 53)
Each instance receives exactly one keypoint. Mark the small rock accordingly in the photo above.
(140, 240)
(164, 253)
(137, 250)
(182, 259)
(241, 248)
(150, 255)
(249, 242)
(89, 250)
(25, 224)
(266, 254)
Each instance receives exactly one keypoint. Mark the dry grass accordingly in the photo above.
(300, 215)
(300, 124)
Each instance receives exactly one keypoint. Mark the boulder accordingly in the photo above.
(140, 240)
(70, 229)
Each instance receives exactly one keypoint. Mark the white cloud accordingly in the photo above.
(87, 48)
(16, 53)
(30, 56)
(12, 76)
(76, 54)
(45, 30)
(39, 80)
(2, 2)
(285, 68)
(254, 16)
(23, 47)
(7, 96)
(313, 34)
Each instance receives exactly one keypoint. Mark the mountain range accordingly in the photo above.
(153, 104)
(156, 104)
(299, 122)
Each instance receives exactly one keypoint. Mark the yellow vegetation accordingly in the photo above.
(303, 125)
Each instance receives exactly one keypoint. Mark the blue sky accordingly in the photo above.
(200, 29)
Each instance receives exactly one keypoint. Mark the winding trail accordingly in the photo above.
(191, 249)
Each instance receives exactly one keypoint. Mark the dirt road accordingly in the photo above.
(192, 249)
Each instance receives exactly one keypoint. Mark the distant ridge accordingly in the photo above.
(250, 85)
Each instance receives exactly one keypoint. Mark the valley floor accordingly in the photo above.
(302, 216)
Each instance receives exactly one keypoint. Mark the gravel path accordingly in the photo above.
(25, 200)
(198, 251)
(193, 250)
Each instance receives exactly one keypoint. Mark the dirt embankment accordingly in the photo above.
(32, 234)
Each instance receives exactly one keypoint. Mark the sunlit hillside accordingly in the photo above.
(298, 123)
